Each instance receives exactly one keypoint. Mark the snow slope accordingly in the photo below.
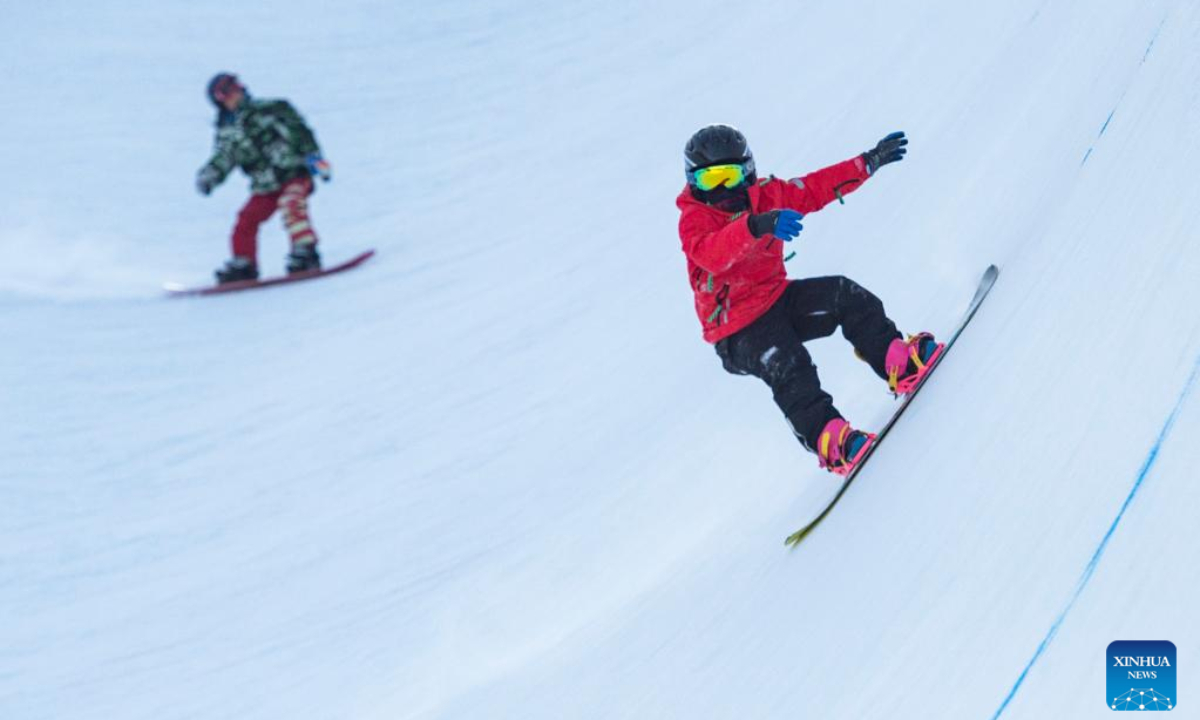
(495, 472)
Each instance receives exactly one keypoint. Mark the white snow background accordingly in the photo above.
(495, 473)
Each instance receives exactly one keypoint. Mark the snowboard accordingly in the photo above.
(985, 285)
(177, 290)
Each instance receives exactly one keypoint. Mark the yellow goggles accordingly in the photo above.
(715, 176)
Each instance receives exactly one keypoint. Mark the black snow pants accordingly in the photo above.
(772, 347)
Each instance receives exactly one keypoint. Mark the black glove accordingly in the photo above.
(206, 180)
(783, 224)
(890, 149)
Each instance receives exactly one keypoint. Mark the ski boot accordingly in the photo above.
(840, 447)
(908, 361)
(303, 258)
(237, 270)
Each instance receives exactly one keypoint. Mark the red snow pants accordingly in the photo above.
(291, 200)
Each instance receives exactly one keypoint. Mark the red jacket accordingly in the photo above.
(735, 276)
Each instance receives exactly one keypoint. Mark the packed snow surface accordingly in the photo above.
(495, 472)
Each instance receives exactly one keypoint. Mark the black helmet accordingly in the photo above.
(222, 86)
(717, 145)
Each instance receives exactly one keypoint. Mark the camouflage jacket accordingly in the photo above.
(267, 139)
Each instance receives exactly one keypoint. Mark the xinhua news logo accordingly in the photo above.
(1141, 675)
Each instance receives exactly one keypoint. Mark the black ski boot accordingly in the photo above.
(236, 270)
(303, 258)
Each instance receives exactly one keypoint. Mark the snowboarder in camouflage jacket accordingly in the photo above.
(271, 143)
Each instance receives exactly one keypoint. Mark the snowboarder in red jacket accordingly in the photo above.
(733, 227)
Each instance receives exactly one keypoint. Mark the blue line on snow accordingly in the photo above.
(1101, 133)
(1088, 571)
(1153, 39)
(1145, 55)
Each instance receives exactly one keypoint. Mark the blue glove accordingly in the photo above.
(783, 224)
(318, 165)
